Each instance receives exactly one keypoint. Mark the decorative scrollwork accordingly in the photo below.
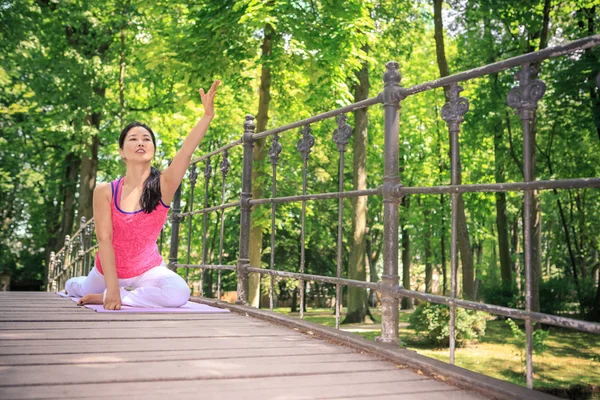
(207, 169)
(456, 106)
(225, 163)
(193, 174)
(306, 143)
(342, 133)
(530, 90)
(275, 149)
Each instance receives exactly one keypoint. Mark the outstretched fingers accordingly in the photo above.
(212, 89)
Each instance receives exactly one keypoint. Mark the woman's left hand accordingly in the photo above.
(208, 99)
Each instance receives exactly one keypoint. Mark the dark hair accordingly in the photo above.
(151, 193)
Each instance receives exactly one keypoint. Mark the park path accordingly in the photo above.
(51, 348)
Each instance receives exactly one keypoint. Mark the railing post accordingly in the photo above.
(175, 230)
(50, 285)
(67, 262)
(245, 212)
(82, 247)
(206, 286)
(452, 112)
(274, 152)
(193, 177)
(224, 170)
(524, 99)
(340, 138)
(391, 104)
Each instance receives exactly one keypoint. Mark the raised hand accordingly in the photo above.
(208, 99)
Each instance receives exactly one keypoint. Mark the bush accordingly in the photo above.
(433, 321)
(558, 296)
(501, 295)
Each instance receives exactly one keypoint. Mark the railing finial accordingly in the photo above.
(342, 133)
(524, 98)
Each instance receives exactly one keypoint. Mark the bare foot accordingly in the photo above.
(91, 299)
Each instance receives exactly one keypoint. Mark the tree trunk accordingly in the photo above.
(357, 297)
(294, 306)
(68, 194)
(443, 218)
(406, 303)
(516, 246)
(89, 170)
(372, 258)
(258, 165)
(427, 247)
(501, 221)
(464, 246)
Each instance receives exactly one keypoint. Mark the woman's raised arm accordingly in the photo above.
(172, 175)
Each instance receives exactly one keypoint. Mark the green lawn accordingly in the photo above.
(572, 358)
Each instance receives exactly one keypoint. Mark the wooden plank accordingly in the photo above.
(41, 347)
(90, 315)
(364, 384)
(60, 325)
(123, 358)
(129, 333)
(170, 370)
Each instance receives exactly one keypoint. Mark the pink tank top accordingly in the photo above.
(134, 236)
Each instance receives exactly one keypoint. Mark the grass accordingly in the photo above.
(571, 358)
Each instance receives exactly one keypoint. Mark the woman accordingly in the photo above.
(129, 214)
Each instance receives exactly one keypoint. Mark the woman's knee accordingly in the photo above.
(176, 295)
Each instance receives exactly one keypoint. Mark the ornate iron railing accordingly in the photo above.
(75, 258)
(523, 98)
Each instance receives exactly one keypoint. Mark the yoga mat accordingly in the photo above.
(189, 307)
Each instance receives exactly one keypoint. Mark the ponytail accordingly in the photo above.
(151, 193)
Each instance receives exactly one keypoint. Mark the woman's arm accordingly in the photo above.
(103, 222)
(172, 175)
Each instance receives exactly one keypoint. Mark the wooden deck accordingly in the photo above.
(51, 348)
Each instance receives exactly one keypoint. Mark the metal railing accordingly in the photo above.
(523, 98)
(75, 258)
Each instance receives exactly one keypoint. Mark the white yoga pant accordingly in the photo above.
(157, 287)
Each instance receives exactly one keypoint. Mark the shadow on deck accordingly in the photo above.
(52, 348)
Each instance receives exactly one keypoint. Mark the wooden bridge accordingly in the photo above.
(51, 348)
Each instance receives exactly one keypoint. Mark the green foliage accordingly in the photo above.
(501, 295)
(538, 340)
(433, 321)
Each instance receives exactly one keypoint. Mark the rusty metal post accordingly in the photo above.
(67, 256)
(51, 284)
(392, 95)
(193, 176)
(175, 230)
(224, 170)
(340, 138)
(304, 145)
(205, 272)
(452, 113)
(524, 99)
(87, 246)
(274, 152)
(245, 212)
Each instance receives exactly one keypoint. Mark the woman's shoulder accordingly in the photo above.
(104, 189)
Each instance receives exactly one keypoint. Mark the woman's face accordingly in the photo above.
(138, 146)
